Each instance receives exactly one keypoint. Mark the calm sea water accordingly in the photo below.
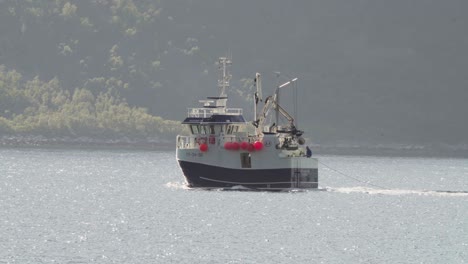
(89, 206)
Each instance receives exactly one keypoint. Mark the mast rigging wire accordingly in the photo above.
(354, 178)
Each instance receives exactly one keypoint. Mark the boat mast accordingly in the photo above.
(258, 97)
(225, 77)
(223, 80)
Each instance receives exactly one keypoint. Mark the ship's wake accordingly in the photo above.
(176, 185)
(374, 191)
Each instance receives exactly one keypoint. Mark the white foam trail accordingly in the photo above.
(373, 191)
(177, 185)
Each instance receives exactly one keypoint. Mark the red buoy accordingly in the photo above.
(258, 145)
(251, 148)
(244, 145)
(235, 146)
(228, 145)
(203, 147)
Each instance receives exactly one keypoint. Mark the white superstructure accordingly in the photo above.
(219, 152)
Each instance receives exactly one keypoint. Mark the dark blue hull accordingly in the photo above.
(207, 176)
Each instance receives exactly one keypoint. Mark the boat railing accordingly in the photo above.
(207, 112)
(238, 139)
(193, 142)
(186, 142)
(233, 111)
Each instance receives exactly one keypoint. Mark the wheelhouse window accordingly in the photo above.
(195, 129)
(200, 129)
(203, 130)
(232, 129)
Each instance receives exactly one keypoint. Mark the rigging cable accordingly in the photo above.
(383, 188)
(354, 178)
(296, 114)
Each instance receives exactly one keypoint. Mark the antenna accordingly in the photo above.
(225, 76)
(258, 94)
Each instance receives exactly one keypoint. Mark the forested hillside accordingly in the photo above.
(369, 71)
(72, 68)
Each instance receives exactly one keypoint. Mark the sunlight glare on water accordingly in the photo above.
(90, 206)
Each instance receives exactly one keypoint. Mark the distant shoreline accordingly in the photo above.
(84, 142)
(427, 152)
(397, 150)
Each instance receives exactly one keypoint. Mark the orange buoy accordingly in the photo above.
(203, 147)
(258, 145)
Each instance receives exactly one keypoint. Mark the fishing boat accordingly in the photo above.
(223, 150)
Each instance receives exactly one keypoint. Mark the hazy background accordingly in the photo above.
(370, 71)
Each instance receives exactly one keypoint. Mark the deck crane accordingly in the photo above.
(291, 133)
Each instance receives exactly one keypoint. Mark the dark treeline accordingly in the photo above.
(44, 108)
(385, 71)
(69, 68)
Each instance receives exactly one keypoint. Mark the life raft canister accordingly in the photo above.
(212, 140)
(201, 140)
